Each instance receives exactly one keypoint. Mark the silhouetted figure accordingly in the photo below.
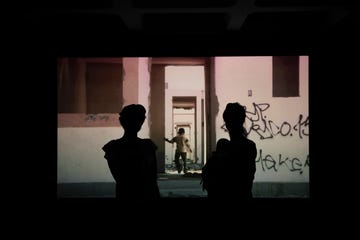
(229, 172)
(182, 145)
(132, 160)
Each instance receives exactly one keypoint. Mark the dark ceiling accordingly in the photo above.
(185, 27)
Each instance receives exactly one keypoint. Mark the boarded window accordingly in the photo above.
(103, 88)
(285, 76)
(69, 86)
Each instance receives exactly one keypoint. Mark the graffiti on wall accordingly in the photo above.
(266, 128)
(269, 162)
(96, 117)
(88, 120)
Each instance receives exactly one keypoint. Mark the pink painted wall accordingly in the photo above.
(283, 158)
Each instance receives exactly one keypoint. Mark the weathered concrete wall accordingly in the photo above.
(79, 154)
(279, 126)
(80, 157)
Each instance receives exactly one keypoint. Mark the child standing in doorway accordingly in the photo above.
(182, 145)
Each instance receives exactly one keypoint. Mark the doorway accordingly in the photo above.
(184, 116)
(184, 107)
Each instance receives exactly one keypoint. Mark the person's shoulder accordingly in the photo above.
(111, 144)
(149, 143)
(250, 142)
(222, 145)
(223, 141)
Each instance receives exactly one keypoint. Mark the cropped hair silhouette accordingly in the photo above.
(132, 160)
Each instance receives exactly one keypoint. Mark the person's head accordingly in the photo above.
(234, 117)
(132, 117)
(181, 131)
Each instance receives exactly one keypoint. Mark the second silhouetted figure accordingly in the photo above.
(229, 172)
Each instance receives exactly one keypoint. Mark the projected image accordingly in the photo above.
(191, 94)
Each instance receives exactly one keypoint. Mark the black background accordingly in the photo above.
(47, 31)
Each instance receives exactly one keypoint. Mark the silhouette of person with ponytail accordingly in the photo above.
(229, 172)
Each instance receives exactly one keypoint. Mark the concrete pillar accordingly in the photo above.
(130, 81)
(212, 104)
(144, 92)
(157, 113)
(136, 87)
